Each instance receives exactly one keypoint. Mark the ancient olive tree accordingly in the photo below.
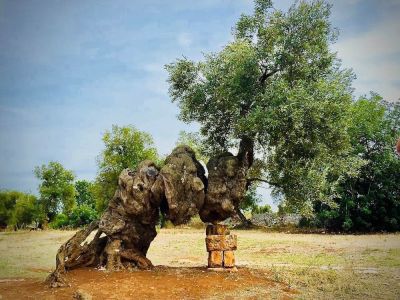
(194, 141)
(278, 91)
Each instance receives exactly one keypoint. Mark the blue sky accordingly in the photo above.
(71, 69)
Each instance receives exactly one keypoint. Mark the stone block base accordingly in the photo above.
(215, 259)
(229, 259)
(221, 242)
(217, 229)
(220, 245)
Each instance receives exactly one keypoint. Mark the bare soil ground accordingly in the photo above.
(160, 283)
(270, 266)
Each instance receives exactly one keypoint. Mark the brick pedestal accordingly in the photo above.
(220, 245)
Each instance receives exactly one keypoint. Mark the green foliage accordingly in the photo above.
(125, 147)
(19, 209)
(82, 215)
(250, 199)
(83, 193)
(194, 141)
(60, 221)
(371, 201)
(8, 199)
(26, 211)
(261, 209)
(279, 85)
(57, 191)
(215, 102)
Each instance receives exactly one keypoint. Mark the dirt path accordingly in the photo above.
(160, 283)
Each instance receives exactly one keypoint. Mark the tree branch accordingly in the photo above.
(249, 180)
(246, 152)
(265, 75)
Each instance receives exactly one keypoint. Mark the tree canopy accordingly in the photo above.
(56, 189)
(370, 201)
(278, 92)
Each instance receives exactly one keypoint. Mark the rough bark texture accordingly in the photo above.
(226, 188)
(179, 190)
(398, 146)
(75, 253)
(180, 186)
(130, 218)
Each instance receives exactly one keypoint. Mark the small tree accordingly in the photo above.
(261, 209)
(250, 200)
(60, 221)
(125, 147)
(57, 191)
(83, 193)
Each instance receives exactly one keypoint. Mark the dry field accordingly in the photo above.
(270, 266)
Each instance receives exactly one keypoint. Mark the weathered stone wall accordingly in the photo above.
(272, 219)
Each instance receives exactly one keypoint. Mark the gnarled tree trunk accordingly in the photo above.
(179, 190)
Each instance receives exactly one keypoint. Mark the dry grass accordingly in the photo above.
(316, 265)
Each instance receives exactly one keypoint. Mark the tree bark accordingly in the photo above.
(246, 152)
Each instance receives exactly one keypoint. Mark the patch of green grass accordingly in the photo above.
(336, 284)
(13, 270)
(382, 258)
(300, 259)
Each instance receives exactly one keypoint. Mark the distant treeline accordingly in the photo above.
(26, 211)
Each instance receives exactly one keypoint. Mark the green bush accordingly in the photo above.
(60, 221)
(26, 211)
(196, 222)
(82, 215)
(8, 199)
(20, 210)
